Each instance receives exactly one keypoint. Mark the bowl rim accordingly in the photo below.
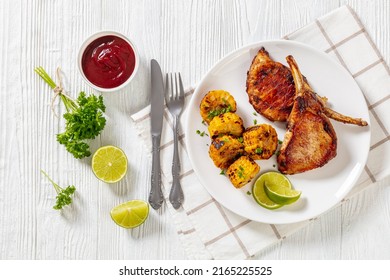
(92, 38)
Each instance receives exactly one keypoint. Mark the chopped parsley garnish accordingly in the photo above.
(254, 122)
(201, 133)
(217, 112)
(280, 141)
(254, 113)
(259, 151)
(240, 172)
(248, 193)
(222, 172)
(240, 139)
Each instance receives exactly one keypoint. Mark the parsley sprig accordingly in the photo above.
(84, 119)
(63, 195)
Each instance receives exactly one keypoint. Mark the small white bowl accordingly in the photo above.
(92, 38)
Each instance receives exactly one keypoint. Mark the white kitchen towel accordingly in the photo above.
(210, 231)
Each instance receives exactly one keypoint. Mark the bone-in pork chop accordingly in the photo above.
(270, 87)
(271, 90)
(310, 140)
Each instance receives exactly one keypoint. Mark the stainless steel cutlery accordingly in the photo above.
(156, 197)
(174, 98)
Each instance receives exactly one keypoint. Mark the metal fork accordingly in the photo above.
(174, 98)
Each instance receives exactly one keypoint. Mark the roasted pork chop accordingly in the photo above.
(271, 90)
(270, 87)
(310, 140)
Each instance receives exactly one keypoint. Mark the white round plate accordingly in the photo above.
(321, 188)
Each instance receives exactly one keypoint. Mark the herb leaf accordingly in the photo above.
(240, 172)
(201, 133)
(259, 151)
(84, 119)
(63, 197)
(217, 112)
(84, 122)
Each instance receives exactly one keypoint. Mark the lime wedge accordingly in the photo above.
(280, 194)
(261, 197)
(273, 190)
(130, 214)
(275, 178)
(109, 164)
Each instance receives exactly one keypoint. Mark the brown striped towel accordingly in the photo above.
(207, 229)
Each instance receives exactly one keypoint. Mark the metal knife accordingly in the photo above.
(156, 197)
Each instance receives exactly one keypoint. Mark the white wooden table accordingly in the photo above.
(186, 36)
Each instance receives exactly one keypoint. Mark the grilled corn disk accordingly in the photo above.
(216, 102)
(260, 141)
(224, 150)
(242, 171)
(228, 123)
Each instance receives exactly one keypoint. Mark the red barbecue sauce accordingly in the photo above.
(108, 61)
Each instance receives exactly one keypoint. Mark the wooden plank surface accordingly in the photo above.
(186, 36)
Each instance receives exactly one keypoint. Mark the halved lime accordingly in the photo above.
(261, 197)
(130, 214)
(109, 163)
(281, 194)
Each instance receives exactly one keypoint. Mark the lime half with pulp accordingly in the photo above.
(109, 164)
